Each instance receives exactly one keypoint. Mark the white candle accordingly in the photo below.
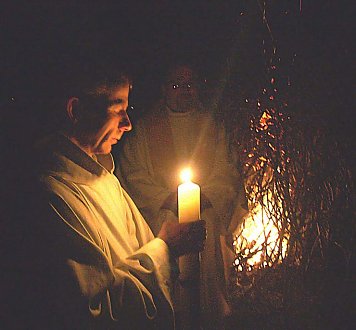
(188, 210)
(188, 199)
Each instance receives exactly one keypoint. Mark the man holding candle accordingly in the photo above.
(178, 133)
(95, 262)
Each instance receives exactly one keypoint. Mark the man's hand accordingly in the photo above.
(183, 238)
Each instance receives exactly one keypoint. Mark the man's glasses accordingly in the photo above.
(187, 86)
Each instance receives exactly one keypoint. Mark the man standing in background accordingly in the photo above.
(178, 132)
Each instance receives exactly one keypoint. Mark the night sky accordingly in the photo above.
(312, 38)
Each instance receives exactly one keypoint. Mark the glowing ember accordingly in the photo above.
(265, 120)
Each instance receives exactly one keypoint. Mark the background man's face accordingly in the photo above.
(107, 122)
(181, 90)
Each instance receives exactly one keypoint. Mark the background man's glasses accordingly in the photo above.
(187, 86)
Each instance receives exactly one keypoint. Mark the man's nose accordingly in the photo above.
(125, 123)
(186, 89)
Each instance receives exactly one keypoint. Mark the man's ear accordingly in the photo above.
(73, 109)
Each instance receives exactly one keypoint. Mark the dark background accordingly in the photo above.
(312, 39)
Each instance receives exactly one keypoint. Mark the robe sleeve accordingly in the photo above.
(136, 175)
(82, 285)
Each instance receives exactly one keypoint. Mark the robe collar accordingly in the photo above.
(62, 158)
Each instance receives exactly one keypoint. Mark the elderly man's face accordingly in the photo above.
(181, 90)
(107, 122)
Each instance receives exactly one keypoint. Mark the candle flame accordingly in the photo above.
(186, 175)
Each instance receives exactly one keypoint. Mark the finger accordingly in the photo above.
(199, 229)
(197, 225)
(200, 223)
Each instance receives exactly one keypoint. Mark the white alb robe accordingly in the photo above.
(121, 271)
